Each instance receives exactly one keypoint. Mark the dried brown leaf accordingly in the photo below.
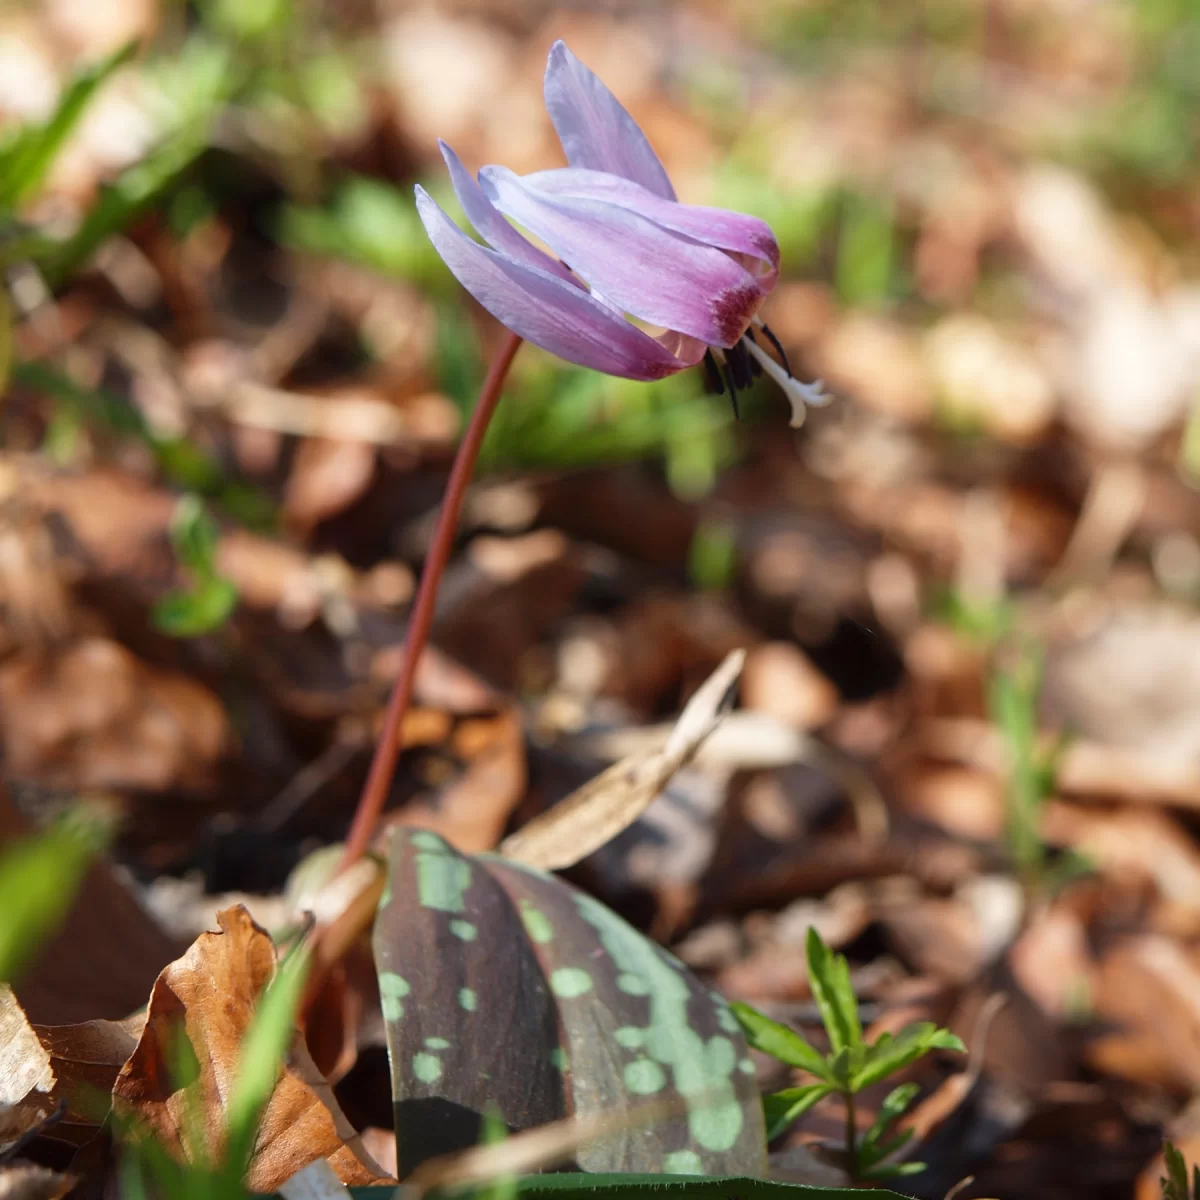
(611, 802)
(26, 1076)
(209, 995)
(86, 1059)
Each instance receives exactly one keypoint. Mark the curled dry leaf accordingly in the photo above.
(611, 802)
(26, 1076)
(57, 1075)
(209, 996)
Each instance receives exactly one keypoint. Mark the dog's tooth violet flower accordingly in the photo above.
(624, 245)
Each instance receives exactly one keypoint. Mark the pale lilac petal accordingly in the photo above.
(659, 276)
(491, 225)
(593, 126)
(733, 231)
(544, 309)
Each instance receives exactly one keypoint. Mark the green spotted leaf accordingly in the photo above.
(471, 1022)
(507, 988)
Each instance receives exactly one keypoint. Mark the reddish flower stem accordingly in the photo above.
(387, 749)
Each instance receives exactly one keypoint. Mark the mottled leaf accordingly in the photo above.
(470, 1018)
(637, 1025)
(508, 987)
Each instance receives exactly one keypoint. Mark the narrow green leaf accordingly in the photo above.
(261, 1058)
(868, 1161)
(889, 1054)
(25, 161)
(779, 1041)
(1175, 1184)
(829, 978)
(895, 1170)
(892, 1107)
(203, 79)
(782, 1108)
(39, 876)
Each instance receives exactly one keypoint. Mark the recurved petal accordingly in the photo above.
(544, 309)
(733, 231)
(498, 233)
(654, 273)
(593, 126)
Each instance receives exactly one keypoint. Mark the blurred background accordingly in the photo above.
(968, 741)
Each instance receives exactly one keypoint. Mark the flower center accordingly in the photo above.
(740, 366)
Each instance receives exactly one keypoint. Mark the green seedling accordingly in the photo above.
(210, 599)
(1013, 697)
(850, 1065)
(1175, 1184)
(39, 876)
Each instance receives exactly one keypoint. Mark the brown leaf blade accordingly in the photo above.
(26, 1076)
(205, 1001)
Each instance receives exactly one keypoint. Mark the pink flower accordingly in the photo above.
(632, 248)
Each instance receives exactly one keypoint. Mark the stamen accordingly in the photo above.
(719, 356)
(712, 377)
(739, 363)
(798, 394)
(775, 342)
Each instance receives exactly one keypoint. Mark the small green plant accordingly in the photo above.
(210, 599)
(1013, 701)
(1175, 1183)
(1013, 696)
(981, 621)
(39, 876)
(28, 152)
(851, 1065)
